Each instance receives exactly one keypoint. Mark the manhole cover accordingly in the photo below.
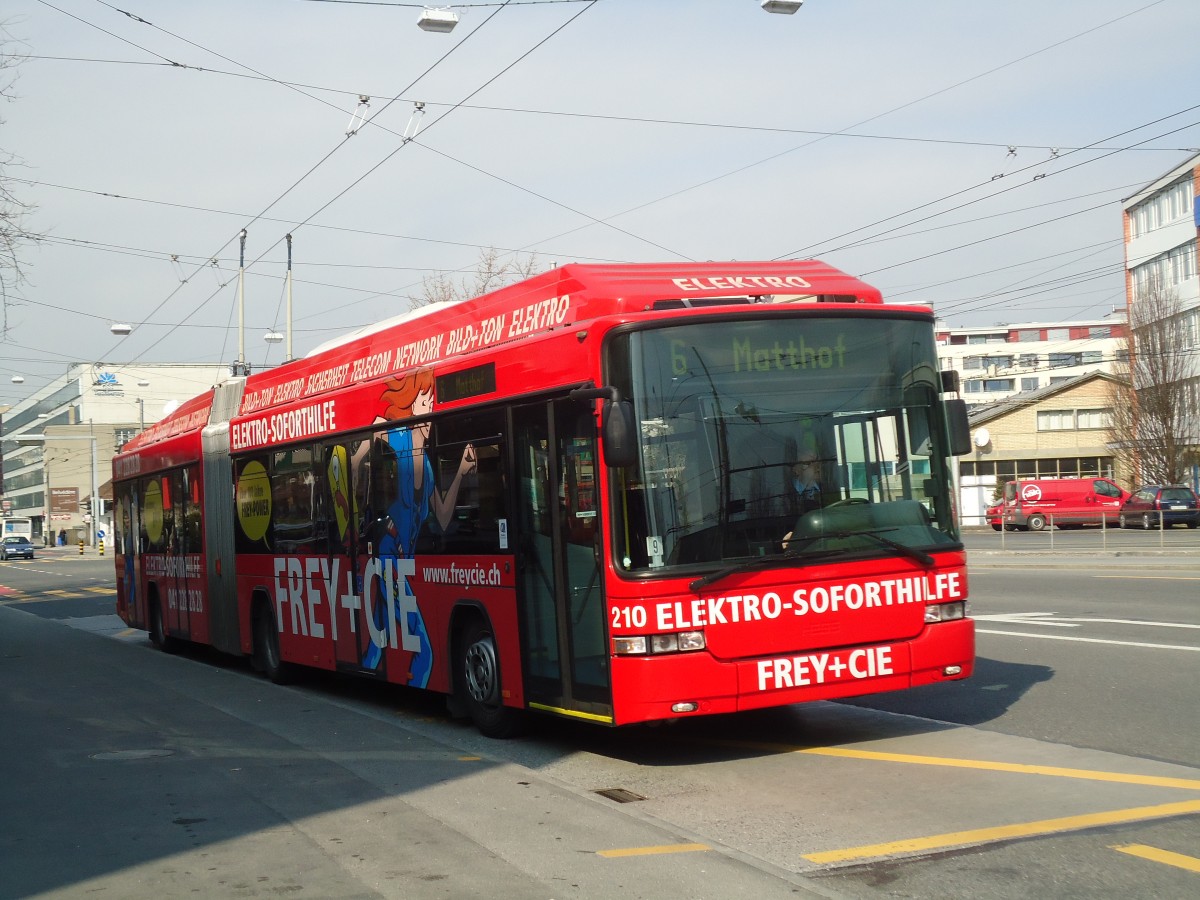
(132, 754)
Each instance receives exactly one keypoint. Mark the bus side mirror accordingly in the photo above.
(960, 428)
(618, 430)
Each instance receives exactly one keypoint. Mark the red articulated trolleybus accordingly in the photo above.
(621, 493)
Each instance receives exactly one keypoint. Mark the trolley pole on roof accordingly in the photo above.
(288, 355)
(240, 367)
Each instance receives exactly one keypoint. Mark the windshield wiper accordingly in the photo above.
(911, 552)
(760, 563)
(764, 562)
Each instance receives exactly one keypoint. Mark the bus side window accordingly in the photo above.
(482, 500)
(293, 490)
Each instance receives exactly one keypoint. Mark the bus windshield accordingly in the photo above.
(786, 438)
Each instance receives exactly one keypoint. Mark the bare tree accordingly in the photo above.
(1155, 430)
(13, 211)
(490, 273)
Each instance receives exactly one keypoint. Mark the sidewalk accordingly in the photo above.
(72, 550)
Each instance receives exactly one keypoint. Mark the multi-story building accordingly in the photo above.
(1162, 228)
(58, 443)
(1001, 361)
(1162, 241)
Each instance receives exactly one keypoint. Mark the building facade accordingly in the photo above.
(1162, 230)
(57, 445)
(1059, 431)
(1162, 288)
(1002, 361)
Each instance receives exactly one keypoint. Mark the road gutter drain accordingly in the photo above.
(620, 795)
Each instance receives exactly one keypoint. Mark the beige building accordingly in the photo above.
(1060, 431)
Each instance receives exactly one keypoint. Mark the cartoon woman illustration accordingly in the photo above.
(416, 495)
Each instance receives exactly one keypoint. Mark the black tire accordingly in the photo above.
(266, 647)
(158, 629)
(1192, 524)
(995, 528)
(478, 683)
(1036, 522)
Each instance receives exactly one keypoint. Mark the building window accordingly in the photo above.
(1059, 360)
(1099, 331)
(998, 384)
(1166, 207)
(1029, 384)
(1028, 360)
(123, 436)
(1094, 419)
(1091, 357)
(1166, 270)
(974, 362)
(1028, 335)
(1056, 420)
(1001, 362)
(1058, 334)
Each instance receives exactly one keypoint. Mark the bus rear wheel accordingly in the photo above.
(266, 647)
(158, 629)
(478, 682)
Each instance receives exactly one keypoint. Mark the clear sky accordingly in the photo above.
(968, 155)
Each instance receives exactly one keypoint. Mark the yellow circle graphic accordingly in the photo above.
(152, 512)
(254, 500)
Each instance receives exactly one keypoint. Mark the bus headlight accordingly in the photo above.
(629, 646)
(675, 642)
(664, 643)
(945, 612)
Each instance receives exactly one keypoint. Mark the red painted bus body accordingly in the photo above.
(429, 503)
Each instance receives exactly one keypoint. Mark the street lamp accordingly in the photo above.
(42, 439)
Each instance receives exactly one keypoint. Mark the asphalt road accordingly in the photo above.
(1066, 768)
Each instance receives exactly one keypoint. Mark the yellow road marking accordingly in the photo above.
(1006, 832)
(1020, 768)
(128, 632)
(1166, 857)
(1187, 784)
(101, 590)
(651, 851)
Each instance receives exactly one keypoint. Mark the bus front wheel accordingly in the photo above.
(479, 683)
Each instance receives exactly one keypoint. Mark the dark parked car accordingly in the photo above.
(1165, 504)
(13, 545)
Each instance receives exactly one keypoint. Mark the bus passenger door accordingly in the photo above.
(175, 547)
(560, 587)
(340, 509)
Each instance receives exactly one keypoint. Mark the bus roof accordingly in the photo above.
(564, 297)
